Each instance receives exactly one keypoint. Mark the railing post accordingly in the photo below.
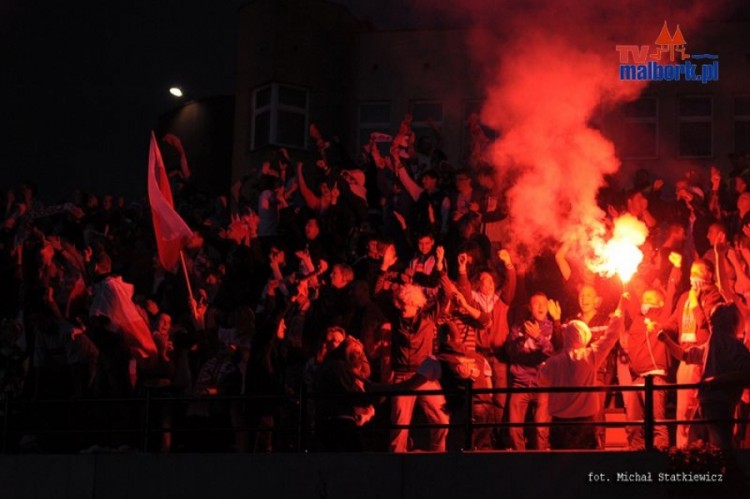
(146, 425)
(303, 422)
(468, 440)
(6, 422)
(648, 412)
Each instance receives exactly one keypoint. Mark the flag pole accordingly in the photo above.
(187, 281)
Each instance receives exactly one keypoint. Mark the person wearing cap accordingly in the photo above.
(577, 365)
(725, 367)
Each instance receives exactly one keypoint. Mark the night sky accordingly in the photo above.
(83, 83)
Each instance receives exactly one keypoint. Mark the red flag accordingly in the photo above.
(172, 233)
(113, 299)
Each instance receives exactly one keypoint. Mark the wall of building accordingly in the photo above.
(731, 41)
(304, 43)
(323, 48)
(405, 67)
(205, 128)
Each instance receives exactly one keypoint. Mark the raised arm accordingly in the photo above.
(603, 345)
(409, 184)
(562, 261)
(722, 274)
(311, 200)
(508, 291)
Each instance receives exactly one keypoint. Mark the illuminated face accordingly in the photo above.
(325, 193)
(637, 204)
(739, 185)
(276, 253)
(425, 244)
(408, 308)
(463, 183)
(486, 181)
(164, 324)
(713, 234)
(47, 253)
(539, 304)
(338, 280)
(312, 229)
(698, 270)
(652, 299)
(429, 183)
(196, 241)
(334, 338)
(679, 235)
(587, 299)
(486, 284)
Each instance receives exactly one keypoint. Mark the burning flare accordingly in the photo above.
(620, 255)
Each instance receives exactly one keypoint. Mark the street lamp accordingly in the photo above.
(176, 91)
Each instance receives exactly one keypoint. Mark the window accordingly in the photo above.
(696, 129)
(422, 112)
(375, 117)
(640, 131)
(279, 116)
(742, 124)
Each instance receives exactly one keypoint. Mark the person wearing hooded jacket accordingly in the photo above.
(689, 323)
(577, 364)
(725, 363)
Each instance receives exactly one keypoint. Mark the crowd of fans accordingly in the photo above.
(385, 273)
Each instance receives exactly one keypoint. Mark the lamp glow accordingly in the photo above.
(176, 91)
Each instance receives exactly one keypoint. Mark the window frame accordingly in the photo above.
(637, 120)
(694, 119)
(274, 106)
(737, 118)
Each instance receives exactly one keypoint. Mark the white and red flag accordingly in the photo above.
(171, 231)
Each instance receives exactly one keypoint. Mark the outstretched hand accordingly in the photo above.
(504, 256)
(554, 309)
(389, 257)
(532, 329)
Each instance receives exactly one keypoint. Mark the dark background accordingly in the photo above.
(83, 83)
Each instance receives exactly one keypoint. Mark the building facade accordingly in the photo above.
(303, 61)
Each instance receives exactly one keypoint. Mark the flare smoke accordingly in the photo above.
(549, 69)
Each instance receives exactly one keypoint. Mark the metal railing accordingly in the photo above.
(304, 428)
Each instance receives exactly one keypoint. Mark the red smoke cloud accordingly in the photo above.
(549, 158)
(548, 68)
